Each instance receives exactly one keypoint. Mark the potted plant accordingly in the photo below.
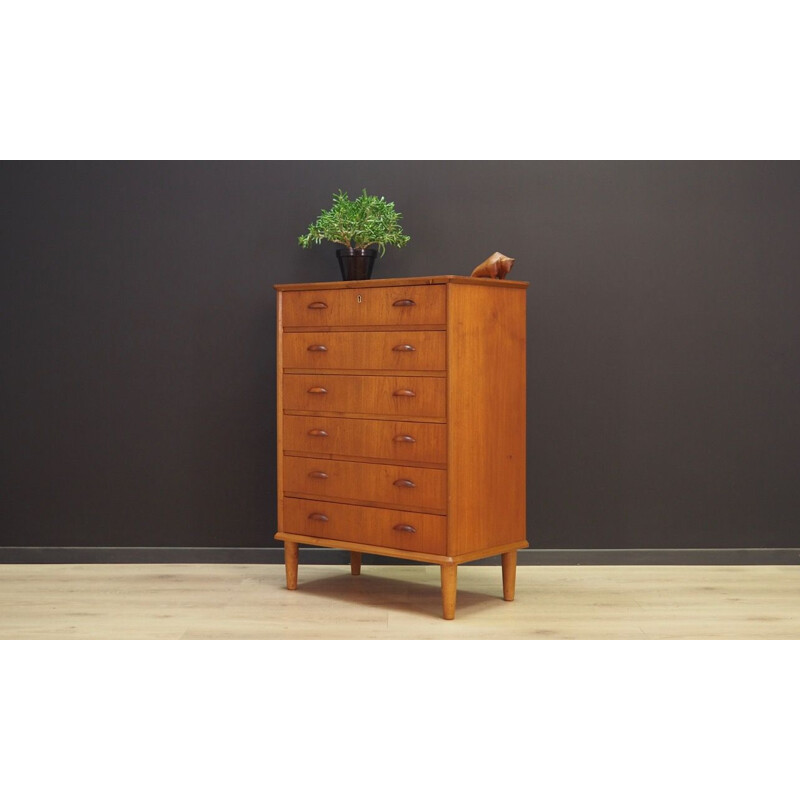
(358, 225)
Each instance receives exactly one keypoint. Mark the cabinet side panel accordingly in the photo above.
(279, 403)
(486, 406)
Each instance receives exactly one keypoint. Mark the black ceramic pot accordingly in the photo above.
(356, 265)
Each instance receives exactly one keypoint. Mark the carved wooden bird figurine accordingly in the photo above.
(496, 266)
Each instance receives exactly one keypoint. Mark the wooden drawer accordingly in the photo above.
(417, 488)
(398, 396)
(389, 350)
(403, 530)
(386, 440)
(383, 306)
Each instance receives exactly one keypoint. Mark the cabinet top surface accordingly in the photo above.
(498, 284)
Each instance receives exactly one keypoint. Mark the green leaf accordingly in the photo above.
(363, 222)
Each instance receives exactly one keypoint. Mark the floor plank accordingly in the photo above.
(250, 601)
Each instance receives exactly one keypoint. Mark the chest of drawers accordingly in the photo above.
(401, 422)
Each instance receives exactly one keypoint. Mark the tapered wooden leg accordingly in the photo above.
(355, 563)
(509, 574)
(449, 590)
(290, 554)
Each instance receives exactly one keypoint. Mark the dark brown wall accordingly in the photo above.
(137, 364)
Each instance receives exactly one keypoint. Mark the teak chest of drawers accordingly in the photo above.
(401, 421)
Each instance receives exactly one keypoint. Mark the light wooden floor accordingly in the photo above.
(248, 601)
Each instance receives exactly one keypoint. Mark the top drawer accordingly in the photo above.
(382, 306)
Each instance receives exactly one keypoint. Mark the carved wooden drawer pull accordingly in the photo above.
(404, 437)
(317, 516)
(403, 393)
(404, 348)
(404, 303)
(403, 483)
(317, 348)
(405, 528)
(318, 390)
(317, 432)
(318, 304)
(317, 474)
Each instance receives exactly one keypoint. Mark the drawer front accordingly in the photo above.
(384, 484)
(388, 305)
(404, 530)
(393, 395)
(387, 440)
(390, 350)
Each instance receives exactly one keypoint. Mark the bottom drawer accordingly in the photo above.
(403, 530)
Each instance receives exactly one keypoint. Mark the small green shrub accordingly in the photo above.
(368, 220)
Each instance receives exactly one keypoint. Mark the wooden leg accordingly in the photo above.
(290, 554)
(509, 574)
(355, 563)
(449, 590)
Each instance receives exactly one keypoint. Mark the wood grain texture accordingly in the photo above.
(430, 373)
(334, 378)
(250, 601)
(345, 328)
(363, 524)
(497, 266)
(373, 283)
(279, 401)
(379, 550)
(361, 547)
(390, 441)
(391, 395)
(486, 552)
(449, 574)
(359, 482)
(366, 306)
(367, 415)
(355, 563)
(509, 567)
(486, 403)
(291, 560)
(394, 351)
